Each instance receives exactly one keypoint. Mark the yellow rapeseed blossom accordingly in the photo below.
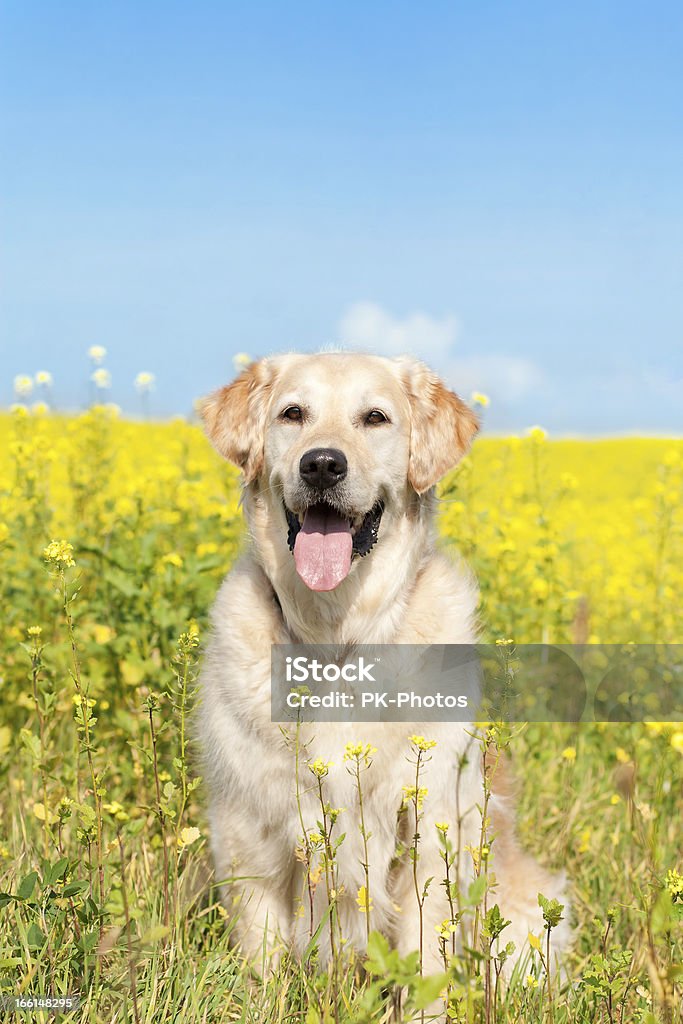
(422, 744)
(412, 795)
(319, 768)
(59, 553)
(359, 752)
(674, 883)
(363, 900)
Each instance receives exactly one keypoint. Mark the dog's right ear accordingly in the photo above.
(234, 418)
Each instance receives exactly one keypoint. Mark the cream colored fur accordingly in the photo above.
(404, 591)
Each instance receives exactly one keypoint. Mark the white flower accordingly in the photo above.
(241, 361)
(97, 353)
(101, 378)
(44, 377)
(144, 381)
(23, 385)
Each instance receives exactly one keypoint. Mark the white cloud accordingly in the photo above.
(505, 378)
(366, 325)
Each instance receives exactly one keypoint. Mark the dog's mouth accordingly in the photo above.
(326, 540)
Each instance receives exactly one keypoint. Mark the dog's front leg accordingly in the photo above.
(254, 871)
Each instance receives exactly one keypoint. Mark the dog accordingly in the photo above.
(340, 455)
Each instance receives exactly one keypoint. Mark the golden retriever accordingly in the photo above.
(340, 455)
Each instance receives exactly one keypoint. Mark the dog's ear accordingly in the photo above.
(442, 425)
(234, 418)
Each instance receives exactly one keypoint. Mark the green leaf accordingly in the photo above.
(75, 887)
(27, 885)
(426, 990)
(31, 742)
(661, 917)
(494, 922)
(154, 935)
(476, 891)
(34, 937)
(552, 911)
(378, 953)
(55, 871)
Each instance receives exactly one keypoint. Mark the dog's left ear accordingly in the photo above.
(234, 418)
(442, 425)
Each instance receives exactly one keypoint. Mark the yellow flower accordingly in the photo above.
(42, 814)
(101, 378)
(677, 741)
(621, 755)
(413, 795)
(97, 353)
(674, 883)
(144, 381)
(442, 826)
(569, 753)
(478, 398)
(34, 631)
(59, 553)
(530, 982)
(44, 377)
(103, 634)
(359, 751)
(422, 744)
(319, 767)
(188, 836)
(207, 548)
(537, 433)
(584, 845)
(540, 588)
(116, 810)
(363, 900)
(240, 361)
(172, 558)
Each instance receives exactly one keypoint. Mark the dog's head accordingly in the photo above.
(334, 442)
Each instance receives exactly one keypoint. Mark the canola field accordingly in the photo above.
(114, 536)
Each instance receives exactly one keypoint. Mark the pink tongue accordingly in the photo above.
(323, 548)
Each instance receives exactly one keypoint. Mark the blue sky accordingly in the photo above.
(496, 187)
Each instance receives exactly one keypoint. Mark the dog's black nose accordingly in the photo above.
(323, 467)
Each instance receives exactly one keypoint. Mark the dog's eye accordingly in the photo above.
(292, 413)
(374, 417)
